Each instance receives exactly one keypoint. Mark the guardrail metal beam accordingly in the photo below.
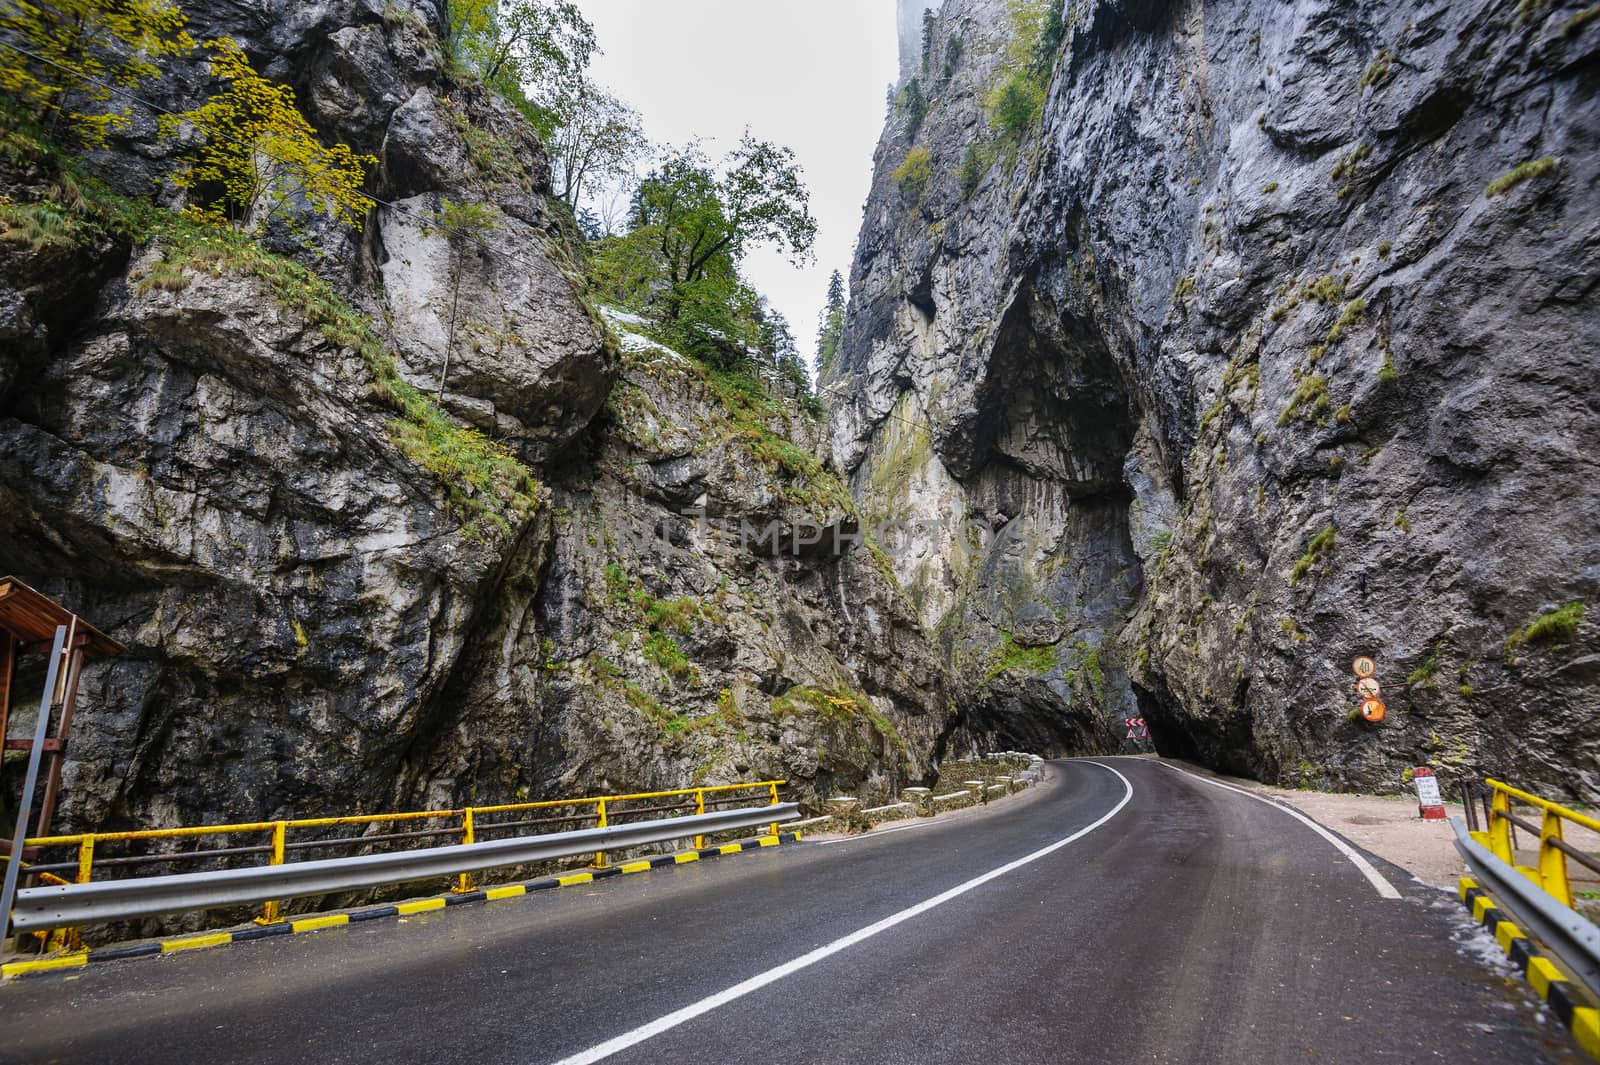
(56, 906)
(1574, 940)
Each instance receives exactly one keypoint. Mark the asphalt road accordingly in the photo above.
(1122, 912)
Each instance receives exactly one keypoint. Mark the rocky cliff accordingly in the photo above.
(1268, 343)
(338, 594)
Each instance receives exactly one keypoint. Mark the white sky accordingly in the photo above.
(808, 74)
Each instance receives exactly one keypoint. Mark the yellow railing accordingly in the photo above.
(469, 825)
(1551, 872)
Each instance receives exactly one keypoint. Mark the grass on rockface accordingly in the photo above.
(482, 479)
(1553, 626)
(1011, 657)
(1310, 400)
(1318, 546)
(752, 412)
(1517, 175)
(1580, 20)
(838, 705)
(1422, 676)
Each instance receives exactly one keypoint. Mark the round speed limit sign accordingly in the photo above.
(1364, 666)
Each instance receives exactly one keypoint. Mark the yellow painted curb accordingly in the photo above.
(1480, 905)
(635, 867)
(173, 946)
(511, 892)
(575, 878)
(1505, 933)
(687, 856)
(1541, 974)
(1466, 885)
(1586, 1029)
(420, 906)
(311, 924)
(66, 961)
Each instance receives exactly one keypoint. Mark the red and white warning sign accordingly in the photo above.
(1430, 804)
(1138, 729)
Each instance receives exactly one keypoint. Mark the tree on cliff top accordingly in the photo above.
(65, 58)
(697, 217)
(596, 139)
(261, 153)
(518, 46)
(832, 327)
(691, 223)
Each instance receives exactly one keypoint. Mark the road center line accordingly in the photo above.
(1375, 878)
(688, 1013)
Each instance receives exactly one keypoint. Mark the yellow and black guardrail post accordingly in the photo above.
(600, 814)
(699, 808)
(272, 911)
(1551, 872)
(464, 882)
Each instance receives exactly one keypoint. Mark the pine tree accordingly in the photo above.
(915, 106)
(831, 328)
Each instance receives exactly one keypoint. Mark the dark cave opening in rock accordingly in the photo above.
(1052, 428)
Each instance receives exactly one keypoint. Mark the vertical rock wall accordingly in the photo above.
(1270, 343)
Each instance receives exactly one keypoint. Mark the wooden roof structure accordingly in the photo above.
(32, 617)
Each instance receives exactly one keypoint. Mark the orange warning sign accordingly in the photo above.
(1364, 666)
(1373, 710)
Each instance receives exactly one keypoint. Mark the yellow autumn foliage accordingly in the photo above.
(261, 152)
(65, 59)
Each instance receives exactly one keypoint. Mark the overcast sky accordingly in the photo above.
(809, 74)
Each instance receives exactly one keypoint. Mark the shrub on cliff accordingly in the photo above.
(913, 173)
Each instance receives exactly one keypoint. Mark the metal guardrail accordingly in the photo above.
(1539, 897)
(56, 906)
(467, 824)
(1499, 837)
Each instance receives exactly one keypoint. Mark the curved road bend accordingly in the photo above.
(1184, 923)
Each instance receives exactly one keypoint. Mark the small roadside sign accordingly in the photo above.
(1364, 666)
(1368, 687)
(1430, 804)
(1373, 710)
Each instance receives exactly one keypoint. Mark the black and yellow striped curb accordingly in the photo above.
(296, 925)
(1564, 998)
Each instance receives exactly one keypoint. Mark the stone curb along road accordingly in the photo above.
(1548, 982)
(318, 922)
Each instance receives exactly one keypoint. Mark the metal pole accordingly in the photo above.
(25, 805)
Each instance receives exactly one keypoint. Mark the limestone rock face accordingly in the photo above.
(318, 620)
(684, 629)
(1239, 373)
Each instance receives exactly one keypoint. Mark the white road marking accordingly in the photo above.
(1375, 878)
(688, 1013)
